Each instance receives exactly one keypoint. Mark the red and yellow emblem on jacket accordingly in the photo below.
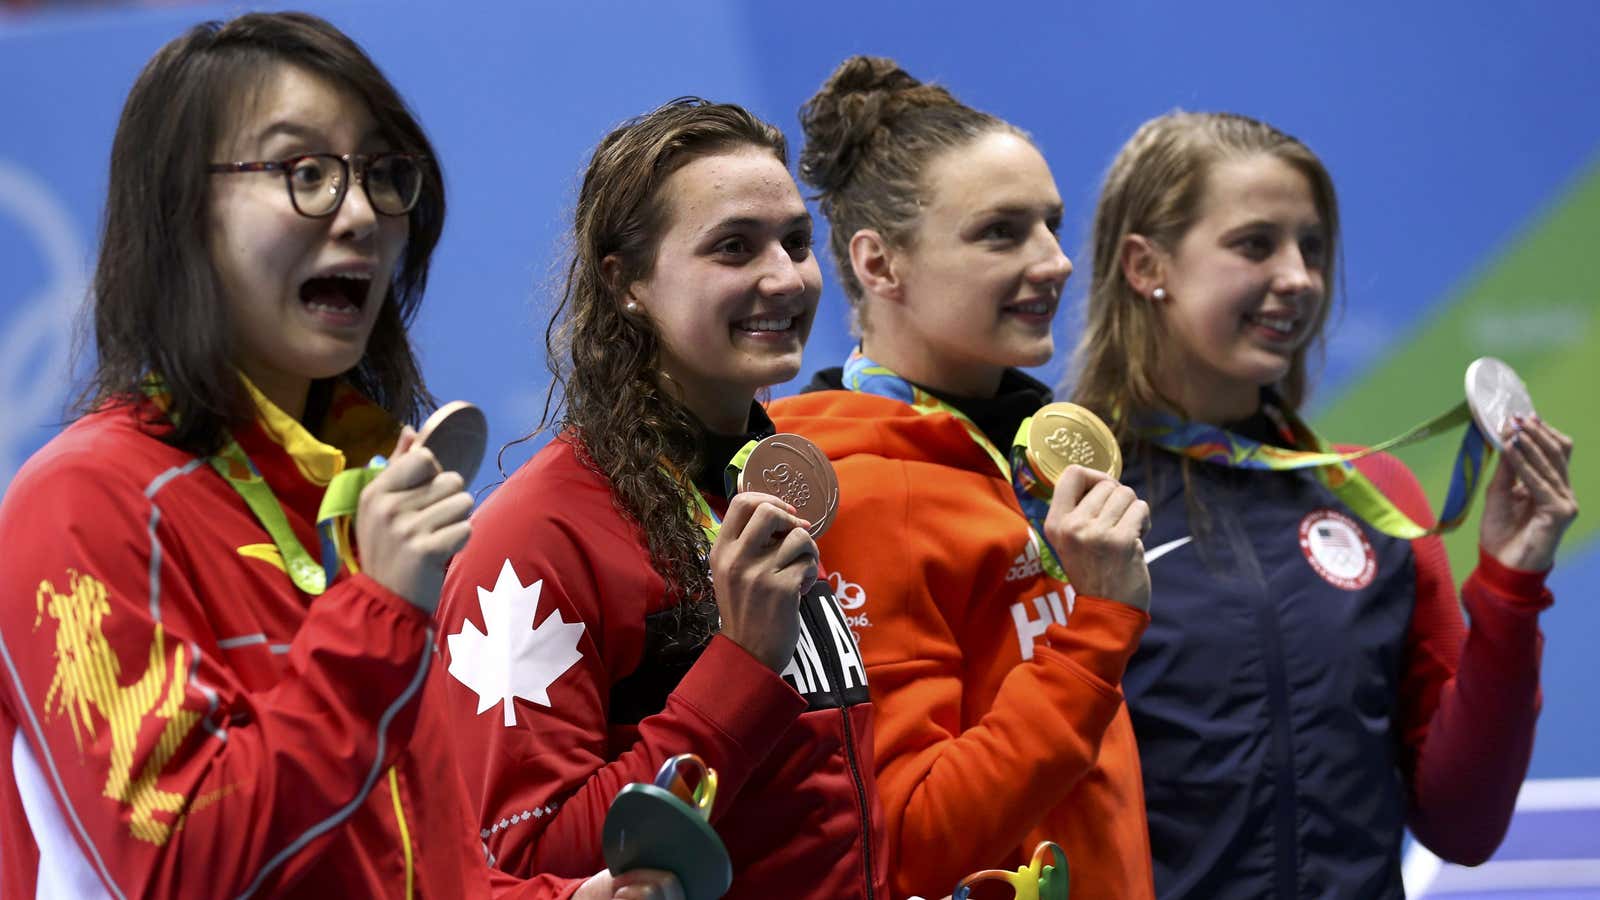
(87, 687)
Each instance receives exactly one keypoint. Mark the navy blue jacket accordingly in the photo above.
(1264, 694)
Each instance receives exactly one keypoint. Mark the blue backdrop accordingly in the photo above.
(1450, 128)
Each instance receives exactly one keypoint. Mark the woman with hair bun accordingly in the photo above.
(1000, 718)
(1310, 690)
(667, 615)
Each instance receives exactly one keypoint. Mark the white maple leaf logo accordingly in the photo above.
(514, 659)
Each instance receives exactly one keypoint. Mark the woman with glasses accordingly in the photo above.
(200, 694)
(636, 608)
(1308, 691)
(1001, 722)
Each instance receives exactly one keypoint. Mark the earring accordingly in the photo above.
(1159, 295)
(631, 307)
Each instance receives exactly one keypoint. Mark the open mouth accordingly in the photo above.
(339, 297)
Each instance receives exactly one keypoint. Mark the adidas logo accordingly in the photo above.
(1026, 565)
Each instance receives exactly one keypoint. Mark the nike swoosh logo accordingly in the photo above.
(1155, 553)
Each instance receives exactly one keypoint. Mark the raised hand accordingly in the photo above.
(1095, 524)
(1529, 502)
(761, 563)
(412, 518)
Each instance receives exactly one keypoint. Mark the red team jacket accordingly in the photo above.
(177, 719)
(546, 618)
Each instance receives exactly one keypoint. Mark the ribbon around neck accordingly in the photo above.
(1217, 446)
(864, 376)
(335, 514)
(699, 507)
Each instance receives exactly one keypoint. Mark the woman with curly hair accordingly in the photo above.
(636, 610)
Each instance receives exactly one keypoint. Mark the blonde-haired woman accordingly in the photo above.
(1306, 694)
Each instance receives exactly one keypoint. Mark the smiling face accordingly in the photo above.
(981, 278)
(302, 294)
(734, 286)
(1246, 286)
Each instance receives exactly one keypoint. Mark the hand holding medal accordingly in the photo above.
(764, 552)
(1529, 501)
(1067, 455)
(410, 513)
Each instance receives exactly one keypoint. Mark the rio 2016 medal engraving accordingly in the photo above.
(1495, 394)
(1065, 434)
(457, 433)
(794, 470)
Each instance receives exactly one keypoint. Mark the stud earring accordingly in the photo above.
(1159, 295)
(631, 307)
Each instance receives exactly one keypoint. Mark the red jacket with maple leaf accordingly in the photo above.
(177, 719)
(557, 704)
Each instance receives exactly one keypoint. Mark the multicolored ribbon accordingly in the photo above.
(699, 508)
(335, 514)
(1033, 495)
(1218, 446)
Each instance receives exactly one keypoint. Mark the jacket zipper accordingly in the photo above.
(1285, 839)
(836, 672)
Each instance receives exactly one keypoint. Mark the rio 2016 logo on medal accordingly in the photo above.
(1337, 550)
(795, 471)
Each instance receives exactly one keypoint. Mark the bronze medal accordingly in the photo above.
(796, 471)
(1065, 434)
(457, 433)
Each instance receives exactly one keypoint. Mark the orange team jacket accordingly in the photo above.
(1000, 718)
(178, 720)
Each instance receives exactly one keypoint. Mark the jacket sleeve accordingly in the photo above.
(1469, 698)
(168, 771)
(958, 796)
(542, 764)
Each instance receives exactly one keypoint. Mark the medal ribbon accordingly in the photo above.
(699, 508)
(335, 514)
(867, 377)
(1218, 446)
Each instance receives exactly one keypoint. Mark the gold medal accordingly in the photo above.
(796, 471)
(1065, 434)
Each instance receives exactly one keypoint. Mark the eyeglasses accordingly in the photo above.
(317, 181)
(1035, 881)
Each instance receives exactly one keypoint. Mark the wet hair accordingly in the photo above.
(1155, 188)
(607, 361)
(158, 303)
(871, 132)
